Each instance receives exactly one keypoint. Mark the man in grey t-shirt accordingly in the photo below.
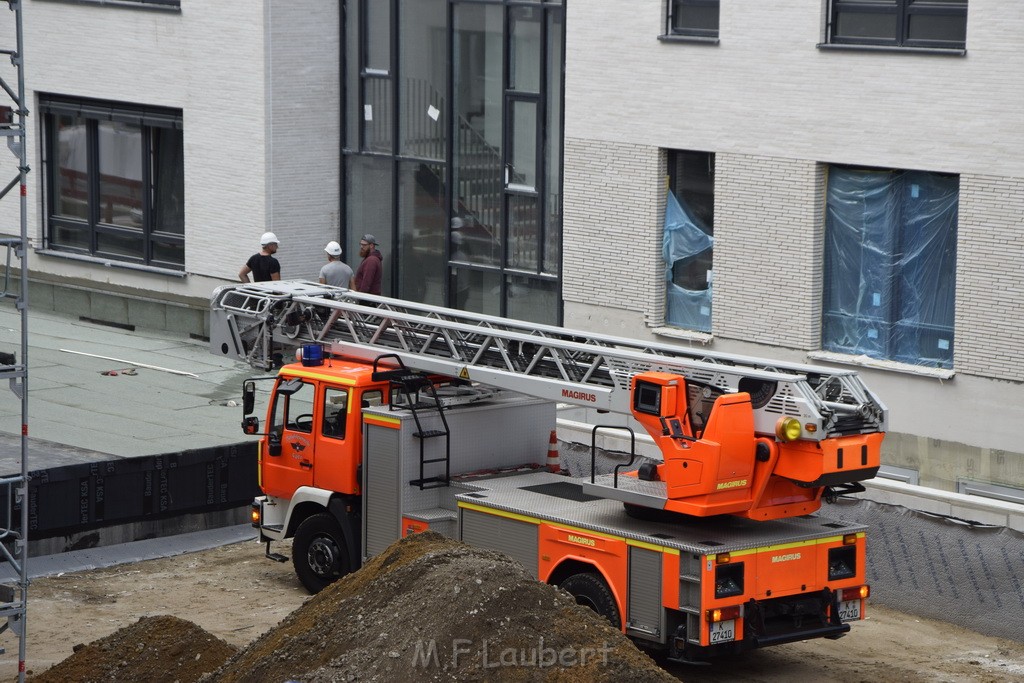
(335, 272)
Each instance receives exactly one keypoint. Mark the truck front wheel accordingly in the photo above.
(590, 590)
(318, 552)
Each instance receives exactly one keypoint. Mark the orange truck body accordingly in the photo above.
(346, 470)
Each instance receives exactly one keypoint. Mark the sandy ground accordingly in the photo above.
(236, 594)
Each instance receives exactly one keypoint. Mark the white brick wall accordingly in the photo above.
(769, 236)
(990, 277)
(614, 208)
(304, 134)
(766, 89)
(207, 61)
(260, 112)
(776, 110)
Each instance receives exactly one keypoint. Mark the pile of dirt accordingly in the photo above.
(427, 608)
(161, 649)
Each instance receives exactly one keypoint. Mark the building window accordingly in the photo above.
(890, 264)
(115, 181)
(453, 150)
(696, 18)
(901, 23)
(689, 239)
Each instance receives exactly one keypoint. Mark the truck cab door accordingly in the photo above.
(290, 454)
(339, 441)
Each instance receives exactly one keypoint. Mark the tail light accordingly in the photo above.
(858, 593)
(722, 614)
(254, 514)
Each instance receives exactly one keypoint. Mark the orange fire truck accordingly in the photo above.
(400, 417)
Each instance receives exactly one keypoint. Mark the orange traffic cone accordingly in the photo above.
(553, 465)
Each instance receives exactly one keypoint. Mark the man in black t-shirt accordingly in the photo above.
(263, 266)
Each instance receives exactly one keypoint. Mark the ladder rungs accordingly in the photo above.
(429, 433)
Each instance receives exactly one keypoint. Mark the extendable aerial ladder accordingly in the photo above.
(743, 469)
(255, 322)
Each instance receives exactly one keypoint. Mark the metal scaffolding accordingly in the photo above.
(14, 364)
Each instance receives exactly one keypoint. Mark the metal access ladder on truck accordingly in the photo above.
(260, 322)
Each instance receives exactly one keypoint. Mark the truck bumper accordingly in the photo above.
(269, 516)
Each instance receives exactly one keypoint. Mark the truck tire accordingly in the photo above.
(590, 590)
(318, 552)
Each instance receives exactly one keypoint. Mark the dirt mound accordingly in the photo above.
(160, 649)
(429, 608)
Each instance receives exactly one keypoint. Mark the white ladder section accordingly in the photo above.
(253, 322)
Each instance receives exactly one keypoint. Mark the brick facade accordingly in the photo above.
(990, 277)
(776, 110)
(258, 87)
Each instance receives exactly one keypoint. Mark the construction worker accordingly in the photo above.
(368, 274)
(262, 265)
(335, 272)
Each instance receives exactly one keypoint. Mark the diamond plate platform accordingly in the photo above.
(519, 495)
(649, 494)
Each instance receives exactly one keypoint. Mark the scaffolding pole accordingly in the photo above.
(14, 365)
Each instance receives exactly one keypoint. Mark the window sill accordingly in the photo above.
(109, 263)
(850, 47)
(674, 38)
(703, 338)
(151, 5)
(866, 362)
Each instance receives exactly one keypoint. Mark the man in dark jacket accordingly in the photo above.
(368, 274)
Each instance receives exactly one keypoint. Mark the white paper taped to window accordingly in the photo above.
(876, 299)
(872, 334)
(368, 112)
(433, 112)
(944, 344)
(705, 311)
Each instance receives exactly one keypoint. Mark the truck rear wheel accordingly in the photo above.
(590, 590)
(318, 552)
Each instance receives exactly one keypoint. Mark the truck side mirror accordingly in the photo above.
(248, 398)
(251, 425)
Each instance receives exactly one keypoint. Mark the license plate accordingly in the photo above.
(849, 610)
(723, 631)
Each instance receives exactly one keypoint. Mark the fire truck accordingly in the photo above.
(399, 417)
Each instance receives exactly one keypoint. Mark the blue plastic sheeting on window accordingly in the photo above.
(890, 265)
(685, 238)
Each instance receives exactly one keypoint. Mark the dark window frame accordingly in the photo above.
(671, 9)
(903, 11)
(93, 112)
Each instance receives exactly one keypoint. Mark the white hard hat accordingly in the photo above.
(268, 238)
(333, 248)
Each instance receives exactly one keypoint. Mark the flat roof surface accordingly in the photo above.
(78, 414)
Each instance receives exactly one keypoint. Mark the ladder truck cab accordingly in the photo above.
(400, 417)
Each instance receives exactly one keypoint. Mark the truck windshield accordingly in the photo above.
(293, 411)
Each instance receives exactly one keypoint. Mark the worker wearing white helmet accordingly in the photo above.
(262, 265)
(335, 272)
